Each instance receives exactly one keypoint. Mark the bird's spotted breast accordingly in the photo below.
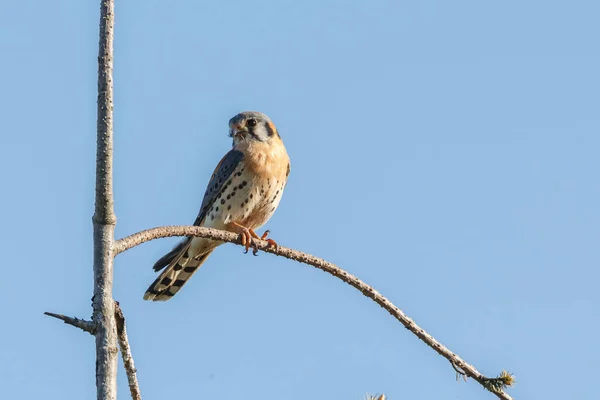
(247, 199)
(253, 190)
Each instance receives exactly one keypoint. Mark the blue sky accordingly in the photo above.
(444, 152)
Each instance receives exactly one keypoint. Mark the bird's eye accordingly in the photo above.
(251, 122)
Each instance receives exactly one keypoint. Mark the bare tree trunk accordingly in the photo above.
(104, 217)
(108, 322)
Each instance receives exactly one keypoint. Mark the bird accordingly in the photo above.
(242, 194)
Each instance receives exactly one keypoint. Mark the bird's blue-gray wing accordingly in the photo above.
(218, 181)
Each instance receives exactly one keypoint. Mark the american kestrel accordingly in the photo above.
(242, 194)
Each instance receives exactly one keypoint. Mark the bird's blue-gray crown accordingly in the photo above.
(251, 125)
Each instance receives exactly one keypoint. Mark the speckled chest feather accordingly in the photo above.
(253, 192)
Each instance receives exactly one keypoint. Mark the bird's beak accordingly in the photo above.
(237, 131)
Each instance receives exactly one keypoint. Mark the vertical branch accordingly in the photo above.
(104, 217)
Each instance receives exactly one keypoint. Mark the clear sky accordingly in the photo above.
(447, 153)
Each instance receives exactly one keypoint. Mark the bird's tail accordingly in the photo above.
(181, 263)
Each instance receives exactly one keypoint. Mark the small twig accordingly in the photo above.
(134, 387)
(86, 326)
(214, 234)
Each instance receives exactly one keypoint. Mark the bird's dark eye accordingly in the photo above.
(251, 122)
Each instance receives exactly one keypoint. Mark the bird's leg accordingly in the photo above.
(247, 234)
(271, 242)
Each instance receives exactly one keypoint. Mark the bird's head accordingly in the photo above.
(251, 126)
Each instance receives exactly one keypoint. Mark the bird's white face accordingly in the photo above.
(251, 126)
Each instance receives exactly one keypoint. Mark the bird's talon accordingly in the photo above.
(246, 237)
(246, 240)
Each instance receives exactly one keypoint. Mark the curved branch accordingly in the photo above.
(136, 239)
(494, 385)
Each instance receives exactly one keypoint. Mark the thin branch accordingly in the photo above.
(497, 385)
(86, 326)
(136, 239)
(104, 217)
(134, 387)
